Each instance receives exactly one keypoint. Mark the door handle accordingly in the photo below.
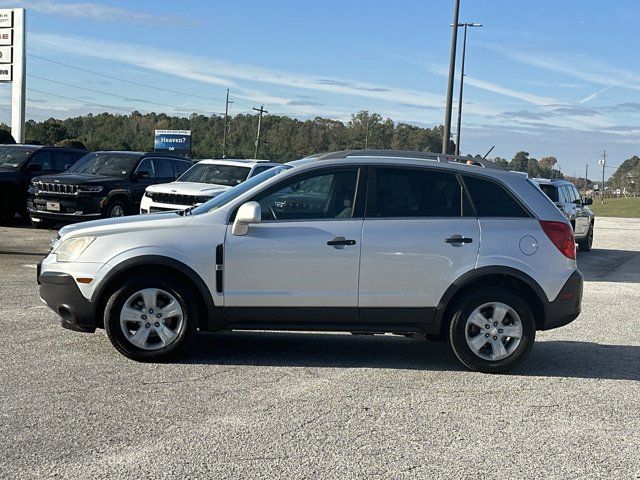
(457, 240)
(340, 242)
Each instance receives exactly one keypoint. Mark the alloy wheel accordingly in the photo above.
(151, 319)
(493, 331)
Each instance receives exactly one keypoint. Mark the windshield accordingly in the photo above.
(235, 192)
(228, 175)
(13, 157)
(110, 164)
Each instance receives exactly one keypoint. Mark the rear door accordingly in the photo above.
(419, 235)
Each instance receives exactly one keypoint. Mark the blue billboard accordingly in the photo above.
(177, 142)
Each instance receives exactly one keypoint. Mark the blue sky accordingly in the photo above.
(550, 77)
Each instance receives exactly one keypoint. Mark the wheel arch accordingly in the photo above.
(507, 277)
(154, 264)
(122, 195)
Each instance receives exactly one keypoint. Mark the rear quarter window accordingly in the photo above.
(492, 200)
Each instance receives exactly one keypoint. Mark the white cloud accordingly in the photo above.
(94, 11)
(574, 66)
(230, 74)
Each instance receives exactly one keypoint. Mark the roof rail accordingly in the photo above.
(438, 157)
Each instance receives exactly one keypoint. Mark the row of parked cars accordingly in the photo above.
(51, 185)
(54, 185)
(371, 242)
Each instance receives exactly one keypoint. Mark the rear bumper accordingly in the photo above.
(61, 293)
(567, 305)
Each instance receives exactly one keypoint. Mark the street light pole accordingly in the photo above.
(464, 51)
(452, 70)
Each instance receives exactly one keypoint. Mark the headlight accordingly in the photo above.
(89, 188)
(148, 194)
(72, 248)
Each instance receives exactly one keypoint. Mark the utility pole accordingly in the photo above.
(224, 133)
(586, 176)
(260, 111)
(461, 86)
(452, 70)
(603, 162)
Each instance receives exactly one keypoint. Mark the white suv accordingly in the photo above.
(369, 241)
(205, 180)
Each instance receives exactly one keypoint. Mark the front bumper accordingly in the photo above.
(61, 293)
(567, 305)
(71, 207)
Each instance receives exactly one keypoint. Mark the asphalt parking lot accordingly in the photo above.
(280, 405)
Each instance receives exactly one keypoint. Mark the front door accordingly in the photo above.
(305, 253)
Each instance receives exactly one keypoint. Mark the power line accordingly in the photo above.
(78, 100)
(116, 95)
(123, 80)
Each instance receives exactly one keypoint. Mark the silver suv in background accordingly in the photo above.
(575, 208)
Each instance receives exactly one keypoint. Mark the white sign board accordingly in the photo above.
(6, 18)
(6, 73)
(596, 186)
(6, 54)
(12, 54)
(6, 36)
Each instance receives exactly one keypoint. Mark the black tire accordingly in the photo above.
(586, 244)
(116, 208)
(458, 330)
(116, 302)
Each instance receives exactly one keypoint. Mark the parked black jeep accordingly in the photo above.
(19, 164)
(102, 184)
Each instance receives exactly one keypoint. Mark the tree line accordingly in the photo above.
(282, 138)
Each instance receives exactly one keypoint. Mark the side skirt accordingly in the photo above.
(330, 319)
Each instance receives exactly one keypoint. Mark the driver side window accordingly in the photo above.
(330, 194)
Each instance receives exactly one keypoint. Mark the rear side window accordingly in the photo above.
(163, 168)
(400, 192)
(550, 190)
(492, 200)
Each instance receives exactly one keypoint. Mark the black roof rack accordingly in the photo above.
(438, 157)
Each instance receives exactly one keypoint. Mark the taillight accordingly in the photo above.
(561, 235)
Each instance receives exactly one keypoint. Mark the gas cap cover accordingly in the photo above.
(528, 245)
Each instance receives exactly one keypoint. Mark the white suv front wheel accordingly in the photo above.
(492, 330)
(150, 318)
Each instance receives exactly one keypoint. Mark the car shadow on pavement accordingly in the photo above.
(320, 350)
(553, 358)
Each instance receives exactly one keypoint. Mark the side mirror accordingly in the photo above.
(248, 213)
(142, 174)
(587, 201)
(34, 167)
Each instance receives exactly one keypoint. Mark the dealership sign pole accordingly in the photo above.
(12, 65)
